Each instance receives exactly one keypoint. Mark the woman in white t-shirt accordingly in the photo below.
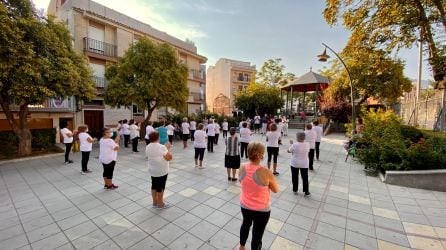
(272, 147)
(126, 132)
(185, 127)
(158, 157)
(134, 135)
(149, 129)
(217, 132)
(86, 145)
(299, 162)
(68, 141)
(310, 137)
(193, 127)
(245, 138)
(199, 145)
(108, 153)
(225, 128)
(170, 132)
(211, 135)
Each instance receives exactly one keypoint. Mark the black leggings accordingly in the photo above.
(67, 151)
(85, 158)
(199, 153)
(126, 140)
(211, 143)
(170, 138)
(244, 148)
(135, 144)
(295, 178)
(225, 134)
(274, 152)
(216, 139)
(311, 158)
(318, 143)
(192, 133)
(259, 219)
(108, 170)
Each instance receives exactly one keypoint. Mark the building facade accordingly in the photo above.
(223, 81)
(102, 35)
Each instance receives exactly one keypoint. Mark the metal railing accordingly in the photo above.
(100, 82)
(99, 47)
(197, 97)
(197, 74)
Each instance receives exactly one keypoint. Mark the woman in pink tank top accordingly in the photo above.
(256, 182)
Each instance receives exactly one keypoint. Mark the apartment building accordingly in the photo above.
(223, 81)
(102, 35)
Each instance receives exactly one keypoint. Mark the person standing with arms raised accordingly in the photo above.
(318, 130)
(245, 138)
(86, 145)
(108, 153)
(185, 127)
(256, 183)
(68, 141)
(310, 137)
(211, 135)
(225, 127)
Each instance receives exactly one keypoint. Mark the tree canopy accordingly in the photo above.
(259, 98)
(273, 73)
(394, 24)
(148, 75)
(37, 61)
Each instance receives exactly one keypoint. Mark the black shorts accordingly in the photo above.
(159, 183)
(185, 137)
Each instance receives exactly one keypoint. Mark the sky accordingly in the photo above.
(250, 30)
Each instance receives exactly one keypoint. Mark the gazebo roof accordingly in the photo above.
(309, 82)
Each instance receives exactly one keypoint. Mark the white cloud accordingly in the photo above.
(153, 14)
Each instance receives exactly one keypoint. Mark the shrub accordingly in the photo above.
(42, 139)
(392, 146)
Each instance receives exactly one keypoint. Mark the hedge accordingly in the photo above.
(389, 145)
(42, 139)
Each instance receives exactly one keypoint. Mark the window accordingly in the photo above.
(137, 110)
(240, 76)
(246, 77)
(240, 87)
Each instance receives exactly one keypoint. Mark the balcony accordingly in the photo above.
(197, 74)
(102, 49)
(196, 97)
(57, 105)
(241, 79)
(100, 82)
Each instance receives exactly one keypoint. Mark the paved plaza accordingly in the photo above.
(45, 204)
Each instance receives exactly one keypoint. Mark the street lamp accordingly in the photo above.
(323, 58)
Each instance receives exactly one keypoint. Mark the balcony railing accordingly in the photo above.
(99, 47)
(100, 82)
(197, 97)
(197, 74)
(241, 79)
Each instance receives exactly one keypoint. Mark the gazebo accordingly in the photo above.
(310, 82)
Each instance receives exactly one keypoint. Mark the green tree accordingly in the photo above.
(273, 73)
(148, 75)
(259, 98)
(373, 72)
(394, 24)
(37, 61)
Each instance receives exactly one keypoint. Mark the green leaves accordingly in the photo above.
(148, 75)
(259, 98)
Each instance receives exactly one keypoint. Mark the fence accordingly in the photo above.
(427, 113)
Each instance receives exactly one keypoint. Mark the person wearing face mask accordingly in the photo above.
(86, 143)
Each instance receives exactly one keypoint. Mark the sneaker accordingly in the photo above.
(229, 179)
(200, 167)
(86, 172)
(112, 186)
(166, 205)
(307, 193)
(234, 179)
(197, 166)
(68, 162)
(295, 192)
(275, 173)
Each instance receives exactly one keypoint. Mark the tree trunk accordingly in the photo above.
(20, 128)
(24, 136)
(426, 35)
(440, 7)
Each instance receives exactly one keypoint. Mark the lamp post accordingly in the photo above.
(323, 58)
